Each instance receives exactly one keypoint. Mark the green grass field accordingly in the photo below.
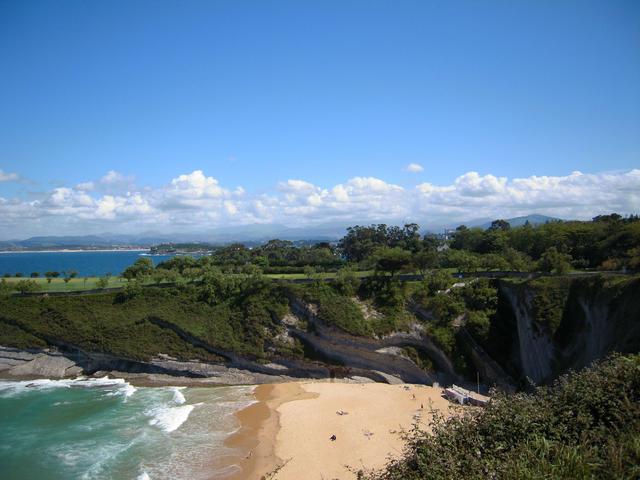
(74, 285)
(90, 283)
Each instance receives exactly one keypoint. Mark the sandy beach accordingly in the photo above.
(287, 434)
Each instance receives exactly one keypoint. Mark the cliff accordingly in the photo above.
(563, 323)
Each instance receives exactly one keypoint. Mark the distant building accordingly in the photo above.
(465, 397)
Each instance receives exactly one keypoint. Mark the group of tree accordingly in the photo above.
(607, 242)
(610, 242)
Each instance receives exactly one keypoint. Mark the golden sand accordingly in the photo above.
(287, 434)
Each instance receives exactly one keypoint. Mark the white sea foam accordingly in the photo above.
(169, 419)
(128, 390)
(178, 397)
(144, 476)
(121, 386)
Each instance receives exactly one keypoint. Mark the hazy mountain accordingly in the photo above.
(252, 234)
(533, 219)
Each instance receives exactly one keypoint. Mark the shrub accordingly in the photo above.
(585, 426)
(337, 310)
(25, 286)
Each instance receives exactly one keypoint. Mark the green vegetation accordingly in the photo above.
(241, 320)
(336, 309)
(75, 284)
(233, 300)
(607, 242)
(585, 426)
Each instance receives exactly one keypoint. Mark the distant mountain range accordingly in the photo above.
(250, 234)
(534, 219)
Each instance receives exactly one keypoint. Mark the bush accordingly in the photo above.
(478, 324)
(346, 282)
(585, 426)
(337, 310)
(445, 308)
(436, 281)
(25, 286)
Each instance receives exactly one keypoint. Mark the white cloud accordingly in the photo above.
(112, 177)
(8, 177)
(86, 186)
(414, 168)
(194, 201)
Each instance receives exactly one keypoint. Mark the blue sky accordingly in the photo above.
(255, 94)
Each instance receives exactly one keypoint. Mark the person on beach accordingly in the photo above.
(332, 438)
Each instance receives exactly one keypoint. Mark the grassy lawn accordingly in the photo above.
(74, 285)
(298, 276)
(90, 283)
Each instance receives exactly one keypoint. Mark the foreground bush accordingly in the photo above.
(586, 426)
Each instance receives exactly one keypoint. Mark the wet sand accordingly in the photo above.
(287, 434)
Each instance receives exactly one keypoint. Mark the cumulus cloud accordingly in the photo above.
(197, 201)
(414, 168)
(577, 195)
(7, 176)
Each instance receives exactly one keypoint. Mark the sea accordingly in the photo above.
(105, 428)
(86, 263)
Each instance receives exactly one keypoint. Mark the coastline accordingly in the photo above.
(259, 426)
(286, 434)
(78, 251)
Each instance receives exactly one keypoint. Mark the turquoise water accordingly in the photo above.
(87, 264)
(108, 429)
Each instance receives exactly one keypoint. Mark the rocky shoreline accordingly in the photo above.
(163, 370)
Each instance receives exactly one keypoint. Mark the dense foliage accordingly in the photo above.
(587, 425)
(610, 242)
(232, 314)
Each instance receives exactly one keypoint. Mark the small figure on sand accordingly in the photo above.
(342, 412)
(332, 438)
(413, 396)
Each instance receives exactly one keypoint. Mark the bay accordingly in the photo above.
(86, 263)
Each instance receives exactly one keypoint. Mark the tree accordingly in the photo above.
(102, 282)
(143, 267)
(553, 261)
(425, 260)
(309, 271)
(436, 281)
(517, 261)
(217, 287)
(5, 288)
(392, 260)
(35, 274)
(500, 225)
(25, 286)
(347, 282)
(492, 261)
(50, 275)
(463, 260)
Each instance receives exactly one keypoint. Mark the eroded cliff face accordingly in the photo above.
(535, 347)
(566, 323)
